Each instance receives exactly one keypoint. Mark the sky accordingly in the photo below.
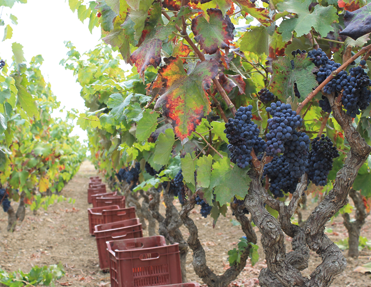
(43, 26)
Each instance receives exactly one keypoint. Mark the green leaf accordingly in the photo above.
(188, 92)
(233, 255)
(138, 14)
(146, 125)
(8, 32)
(26, 100)
(204, 171)
(320, 19)
(254, 254)
(188, 169)
(18, 53)
(255, 40)
(261, 14)
(284, 77)
(217, 33)
(14, 19)
(164, 145)
(74, 4)
(362, 183)
(117, 103)
(108, 15)
(7, 3)
(218, 129)
(228, 182)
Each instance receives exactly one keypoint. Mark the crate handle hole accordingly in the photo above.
(149, 256)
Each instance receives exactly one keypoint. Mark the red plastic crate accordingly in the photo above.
(110, 200)
(95, 196)
(96, 185)
(94, 178)
(108, 214)
(189, 284)
(146, 261)
(92, 191)
(125, 229)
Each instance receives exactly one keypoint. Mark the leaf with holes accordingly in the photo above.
(357, 23)
(260, 14)
(217, 33)
(185, 100)
(229, 82)
(320, 19)
(284, 77)
(149, 53)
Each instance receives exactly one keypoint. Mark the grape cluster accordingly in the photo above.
(151, 171)
(325, 105)
(281, 127)
(243, 136)
(318, 57)
(4, 200)
(356, 94)
(2, 64)
(354, 86)
(176, 187)
(320, 160)
(285, 170)
(205, 208)
(130, 175)
(265, 96)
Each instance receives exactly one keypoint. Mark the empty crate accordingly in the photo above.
(96, 185)
(92, 191)
(108, 214)
(146, 261)
(95, 196)
(125, 229)
(110, 200)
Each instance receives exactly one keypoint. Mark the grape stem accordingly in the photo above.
(209, 144)
(222, 114)
(323, 125)
(330, 77)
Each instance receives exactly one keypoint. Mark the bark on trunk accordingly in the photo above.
(12, 219)
(354, 228)
(21, 211)
(199, 257)
(147, 214)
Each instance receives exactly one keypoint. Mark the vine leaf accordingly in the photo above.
(108, 15)
(118, 103)
(181, 50)
(357, 23)
(164, 145)
(188, 169)
(284, 77)
(213, 34)
(320, 19)
(25, 99)
(362, 181)
(138, 14)
(228, 181)
(146, 125)
(229, 82)
(255, 40)
(172, 4)
(185, 100)
(260, 14)
(204, 171)
(149, 53)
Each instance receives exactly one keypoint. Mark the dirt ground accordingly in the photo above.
(61, 234)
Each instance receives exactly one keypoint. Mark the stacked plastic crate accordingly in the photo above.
(133, 260)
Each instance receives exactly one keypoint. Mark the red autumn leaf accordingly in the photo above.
(185, 100)
(260, 14)
(172, 4)
(217, 33)
(149, 52)
(348, 5)
(181, 50)
(231, 81)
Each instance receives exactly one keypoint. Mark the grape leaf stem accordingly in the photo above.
(329, 78)
(323, 125)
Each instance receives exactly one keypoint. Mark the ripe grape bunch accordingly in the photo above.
(130, 175)
(4, 200)
(285, 170)
(281, 127)
(2, 64)
(176, 187)
(265, 96)
(356, 95)
(205, 208)
(151, 171)
(243, 136)
(321, 159)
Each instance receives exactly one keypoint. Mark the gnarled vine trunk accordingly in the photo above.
(354, 227)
